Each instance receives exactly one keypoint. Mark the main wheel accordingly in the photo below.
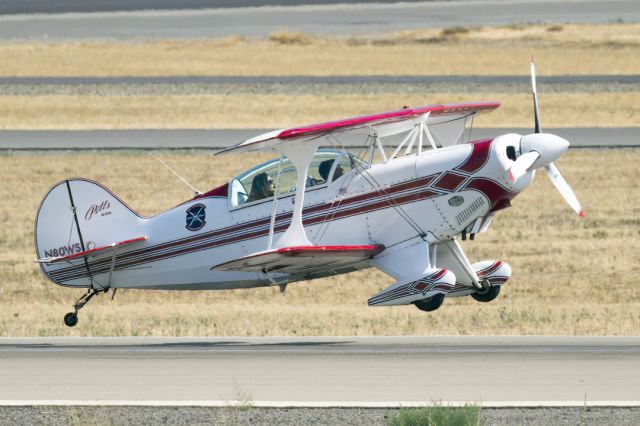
(489, 295)
(71, 319)
(430, 304)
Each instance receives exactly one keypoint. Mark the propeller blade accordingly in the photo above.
(537, 128)
(563, 187)
(522, 164)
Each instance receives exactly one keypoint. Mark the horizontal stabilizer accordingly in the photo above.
(91, 252)
(301, 260)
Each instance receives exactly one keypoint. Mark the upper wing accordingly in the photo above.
(437, 114)
(91, 252)
(302, 260)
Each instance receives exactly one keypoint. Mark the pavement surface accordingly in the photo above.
(344, 80)
(330, 370)
(70, 6)
(222, 138)
(347, 18)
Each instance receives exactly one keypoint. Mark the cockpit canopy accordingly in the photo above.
(259, 183)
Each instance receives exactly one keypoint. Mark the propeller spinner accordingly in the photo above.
(540, 150)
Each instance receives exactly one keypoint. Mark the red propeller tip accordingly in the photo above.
(581, 214)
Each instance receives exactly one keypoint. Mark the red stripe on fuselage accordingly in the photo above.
(478, 158)
(449, 181)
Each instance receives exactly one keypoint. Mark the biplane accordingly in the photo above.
(400, 203)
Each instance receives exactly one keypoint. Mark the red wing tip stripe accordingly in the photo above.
(340, 249)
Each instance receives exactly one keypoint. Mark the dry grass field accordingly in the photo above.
(560, 49)
(271, 111)
(571, 276)
(566, 49)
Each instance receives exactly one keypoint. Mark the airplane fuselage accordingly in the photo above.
(436, 195)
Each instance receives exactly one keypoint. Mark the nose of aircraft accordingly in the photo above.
(548, 147)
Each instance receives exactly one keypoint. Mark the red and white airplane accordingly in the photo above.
(313, 212)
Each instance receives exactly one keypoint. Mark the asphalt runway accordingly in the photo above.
(337, 79)
(329, 19)
(508, 370)
(222, 138)
(70, 6)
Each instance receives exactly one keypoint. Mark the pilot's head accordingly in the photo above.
(262, 186)
(325, 168)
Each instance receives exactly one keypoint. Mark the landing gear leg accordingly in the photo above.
(485, 286)
(71, 319)
(481, 285)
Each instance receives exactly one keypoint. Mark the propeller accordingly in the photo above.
(563, 187)
(540, 150)
(523, 163)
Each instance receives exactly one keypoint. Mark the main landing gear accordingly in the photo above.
(430, 304)
(71, 319)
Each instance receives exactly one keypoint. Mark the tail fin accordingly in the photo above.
(76, 216)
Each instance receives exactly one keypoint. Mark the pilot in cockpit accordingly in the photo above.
(261, 187)
(325, 168)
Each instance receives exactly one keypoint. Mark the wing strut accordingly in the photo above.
(300, 155)
(416, 132)
(380, 150)
(274, 208)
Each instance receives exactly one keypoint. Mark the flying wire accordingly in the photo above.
(376, 185)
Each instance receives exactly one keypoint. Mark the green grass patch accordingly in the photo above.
(438, 415)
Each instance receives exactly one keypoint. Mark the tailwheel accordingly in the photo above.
(430, 304)
(71, 319)
(488, 294)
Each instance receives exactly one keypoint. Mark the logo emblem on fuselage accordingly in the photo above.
(456, 201)
(196, 217)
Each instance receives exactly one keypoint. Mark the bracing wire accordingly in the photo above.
(376, 185)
